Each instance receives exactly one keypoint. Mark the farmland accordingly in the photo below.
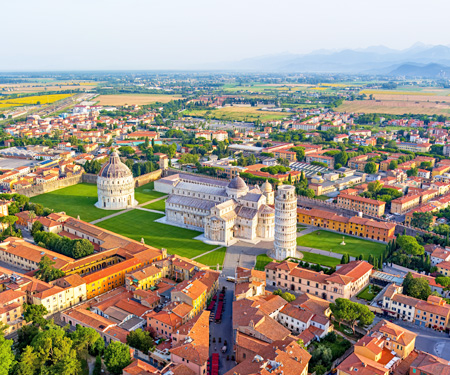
(398, 107)
(32, 100)
(238, 114)
(35, 87)
(138, 99)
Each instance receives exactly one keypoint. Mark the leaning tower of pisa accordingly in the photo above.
(285, 244)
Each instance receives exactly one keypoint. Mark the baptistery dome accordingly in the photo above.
(115, 185)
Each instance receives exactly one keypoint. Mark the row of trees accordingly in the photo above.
(76, 249)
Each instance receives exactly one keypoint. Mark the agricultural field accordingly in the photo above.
(32, 100)
(397, 107)
(138, 224)
(74, 200)
(239, 114)
(138, 99)
(330, 241)
(35, 87)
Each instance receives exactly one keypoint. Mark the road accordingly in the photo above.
(244, 255)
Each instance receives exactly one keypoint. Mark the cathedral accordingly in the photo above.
(226, 211)
(115, 185)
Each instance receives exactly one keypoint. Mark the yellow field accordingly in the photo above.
(396, 107)
(138, 99)
(240, 114)
(392, 92)
(32, 100)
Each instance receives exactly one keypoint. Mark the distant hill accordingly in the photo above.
(426, 71)
(418, 60)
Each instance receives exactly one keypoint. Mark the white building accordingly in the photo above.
(115, 185)
(224, 211)
(285, 244)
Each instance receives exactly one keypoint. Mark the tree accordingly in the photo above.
(410, 245)
(34, 314)
(6, 355)
(393, 165)
(83, 338)
(444, 281)
(341, 158)
(97, 366)
(117, 357)
(370, 167)
(374, 187)
(416, 287)
(140, 340)
(46, 271)
(345, 258)
(412, 172)
(351, 312)
(422, 220)
(27, 362)
(36, 227)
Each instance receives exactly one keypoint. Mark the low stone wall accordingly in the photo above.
(146, 178)
(89, 178)
(34, 190)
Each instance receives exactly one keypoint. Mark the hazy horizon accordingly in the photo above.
(51, 35)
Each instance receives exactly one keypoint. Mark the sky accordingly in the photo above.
(197, 34)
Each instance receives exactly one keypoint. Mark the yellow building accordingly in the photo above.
(365, 205)
(404, 204)
(357, 226)
(143, 279)
(192, 293)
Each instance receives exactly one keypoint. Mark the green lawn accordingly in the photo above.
(137, 224)
(158, 205)
(74, 200)
(322, 260)
(325, 240)
(146, 193)
(369, 292)
(322, 197)
(261, 261)
(213, 258)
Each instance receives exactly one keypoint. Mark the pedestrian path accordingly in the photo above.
(149, 210)
(210, 251)
(152, 201)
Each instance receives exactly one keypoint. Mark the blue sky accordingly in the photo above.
(188, 34)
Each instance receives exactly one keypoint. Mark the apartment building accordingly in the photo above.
(365, 205)
(404, 204)
(143, 279)
(414, 147)
(433, 313)
(357, 226)
(345, 282)
(191, 292)
(328, 160)
(11, 309)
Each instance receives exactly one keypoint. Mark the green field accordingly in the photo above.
(261, 261)
(146, 193)
(213, 258)
(320, 259)
(367, 294)
(74, 200)
(137, 224)
(158, 205)
(80, 200)
(354, 247)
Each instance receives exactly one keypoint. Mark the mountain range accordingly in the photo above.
(420, 60)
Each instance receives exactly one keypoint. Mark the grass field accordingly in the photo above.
(369, 292)
(261, 261)
(74, 200)
(214, 258)
(327, 241)
(238, 114)
(32, 100)
(80, 200)
(137, 224)
(158, 205)
(46, 85)
(146, 193)
(138, 99)
(322, 260)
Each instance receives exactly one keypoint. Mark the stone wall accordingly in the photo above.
(146, 178)
(89, 178)
(34, 190)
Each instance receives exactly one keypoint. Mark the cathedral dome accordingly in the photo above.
(266, 187)
(237, 183)
(115, 168)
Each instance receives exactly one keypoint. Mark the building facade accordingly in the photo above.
(285, 244)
